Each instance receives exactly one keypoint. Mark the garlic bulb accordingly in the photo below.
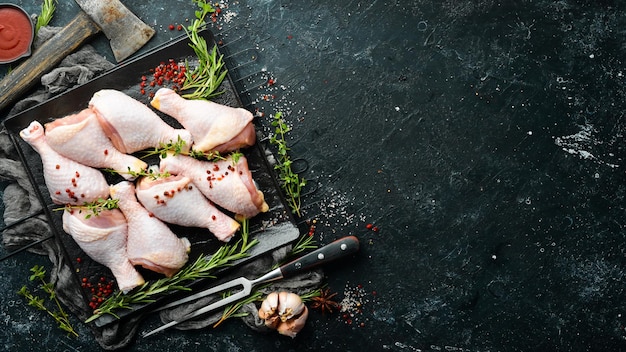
(285, 312)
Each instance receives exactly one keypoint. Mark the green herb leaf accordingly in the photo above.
(47, 11)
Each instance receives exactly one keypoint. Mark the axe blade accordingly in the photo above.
(126, 32)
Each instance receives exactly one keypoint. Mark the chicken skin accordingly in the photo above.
(131, 125)
(80, 138)
(68, 181)
(150, 243)
(176, 200)
(224, 182)
(214, 127)
(103, 238)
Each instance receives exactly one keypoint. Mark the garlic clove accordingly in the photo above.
(289, 305)
(272, 322)
(292, 327)
(269, 306)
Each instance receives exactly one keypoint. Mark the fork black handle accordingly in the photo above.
(334, 250)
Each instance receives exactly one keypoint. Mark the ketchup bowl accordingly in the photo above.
(16, 33)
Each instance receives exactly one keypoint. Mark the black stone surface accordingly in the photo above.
(483, 139)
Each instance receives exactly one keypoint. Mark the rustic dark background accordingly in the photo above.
(483, 139)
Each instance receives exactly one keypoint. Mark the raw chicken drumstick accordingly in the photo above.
(225, 183)
(68, 181)
(102, 237)
(150, 243)
(80, 138)
(176, 200)
(214, 127)
(131, 125)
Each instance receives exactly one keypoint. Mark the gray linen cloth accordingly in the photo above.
(21, 201)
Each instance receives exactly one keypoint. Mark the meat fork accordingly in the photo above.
(334, 250)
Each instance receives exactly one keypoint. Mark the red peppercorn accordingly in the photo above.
(180, 27)
(369, 226)
(171, 27)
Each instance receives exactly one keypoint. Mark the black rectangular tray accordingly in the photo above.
(273, 229)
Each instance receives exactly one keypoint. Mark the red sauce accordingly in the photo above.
(16, 33)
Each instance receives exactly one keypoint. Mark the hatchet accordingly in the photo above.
(126, 33)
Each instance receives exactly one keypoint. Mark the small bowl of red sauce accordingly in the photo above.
(16, 33)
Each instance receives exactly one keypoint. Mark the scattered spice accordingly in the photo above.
(170, 74)
(355, 299)
(372, 227)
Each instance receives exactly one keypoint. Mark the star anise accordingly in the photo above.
(324, 302)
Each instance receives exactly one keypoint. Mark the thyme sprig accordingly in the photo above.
(179, 148)
(59, 314)
(47, 11)
(290, 181)
(207, 76)
(150, 172)
(92, 208)
(203, 267)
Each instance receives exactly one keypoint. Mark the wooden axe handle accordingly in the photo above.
(47, 56)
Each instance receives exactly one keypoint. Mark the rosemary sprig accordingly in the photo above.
(305, 243)
(233, 311)
(203, 267)
(290, 181)
(47, 11)
(59, 314)
(208, 75)
(306, 297)
(93, 208)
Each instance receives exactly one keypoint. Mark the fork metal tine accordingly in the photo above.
(216, 289)
(247, 288)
